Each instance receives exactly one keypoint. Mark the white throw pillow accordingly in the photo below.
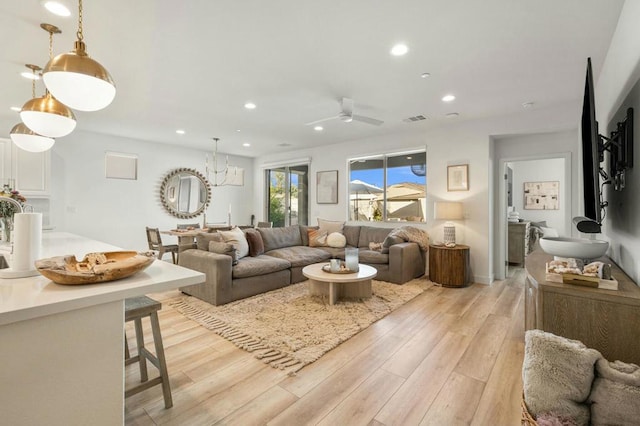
(336, 240)
(330, 226)
(236, 236)
(549, 232)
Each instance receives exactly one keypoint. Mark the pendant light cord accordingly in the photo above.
(79, 32)
(33, 84)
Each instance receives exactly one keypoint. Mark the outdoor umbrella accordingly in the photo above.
(360, 187)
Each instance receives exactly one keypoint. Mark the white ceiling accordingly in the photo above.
(192, 64)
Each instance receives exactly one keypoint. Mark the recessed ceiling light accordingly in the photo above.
(399, 49)
(250, 105)
(318, 128)
(56, 7)
(16, 109)
(452, 115)
(425, 75)
(527, 105)
(30, 75)
(237, 130)
(180, 132)
(246, 144)
(448, 98)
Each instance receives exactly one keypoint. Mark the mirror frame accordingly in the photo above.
(165, 187)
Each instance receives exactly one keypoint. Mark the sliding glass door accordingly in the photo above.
(287, 195)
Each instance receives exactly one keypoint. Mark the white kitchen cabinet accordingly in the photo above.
(5, 161)
(32, 172)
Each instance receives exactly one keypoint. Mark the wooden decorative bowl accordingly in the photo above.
(94, 268)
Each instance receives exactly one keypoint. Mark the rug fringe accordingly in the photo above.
(271, 357)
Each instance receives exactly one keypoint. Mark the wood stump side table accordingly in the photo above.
(449, 266)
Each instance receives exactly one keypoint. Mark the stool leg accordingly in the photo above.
(140, 342)
(157, 339)
(127, 354)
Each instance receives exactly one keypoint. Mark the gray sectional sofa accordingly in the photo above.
(285, 253)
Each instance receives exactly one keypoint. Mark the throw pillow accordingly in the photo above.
(256, 245)
(330, 226)
(336, 240)
(236, 236)
(549, 232)
(224, 248)
(389, 241)
(317, 238)
(202, 240)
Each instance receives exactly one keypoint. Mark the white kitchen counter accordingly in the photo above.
(62, 346)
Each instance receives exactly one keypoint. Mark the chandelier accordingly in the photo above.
(218, 177)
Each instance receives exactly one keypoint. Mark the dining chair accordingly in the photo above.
(264, 225)
(155, 243)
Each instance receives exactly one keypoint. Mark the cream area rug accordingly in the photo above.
(287, 328)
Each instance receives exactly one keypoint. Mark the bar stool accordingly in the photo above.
(135, 309)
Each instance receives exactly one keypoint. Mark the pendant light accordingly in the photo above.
(25, 138)
(46, 115)
(77, 80)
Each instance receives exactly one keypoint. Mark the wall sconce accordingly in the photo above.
(447, 210)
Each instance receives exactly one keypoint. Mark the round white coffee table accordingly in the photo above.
(354, 285)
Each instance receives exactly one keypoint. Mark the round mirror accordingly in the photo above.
(185, 193)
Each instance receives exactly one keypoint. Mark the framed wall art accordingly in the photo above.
(327, 187)
(458, 177)
(541, 195)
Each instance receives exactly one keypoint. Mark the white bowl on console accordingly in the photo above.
(572, 247)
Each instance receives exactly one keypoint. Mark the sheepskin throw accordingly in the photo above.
(557, 375)
(412, 234)
(615, 396)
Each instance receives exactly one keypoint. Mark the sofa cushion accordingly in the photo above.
(275, 238)
(300, 255)
(224, 248)
(259, 265)
(352, 234)
(256, 246)
(317, 238)
(369, 234)
(336, 239)
(202, 240)
(372, 256)
(236, 236)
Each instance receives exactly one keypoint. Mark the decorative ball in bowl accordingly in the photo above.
(574, 247)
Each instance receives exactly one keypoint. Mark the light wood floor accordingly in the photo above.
(448, 357)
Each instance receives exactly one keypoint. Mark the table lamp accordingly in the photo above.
(446, 210)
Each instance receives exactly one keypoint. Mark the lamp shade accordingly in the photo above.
(447, 210)
(27, 140)
(78, 81)
(48, 117)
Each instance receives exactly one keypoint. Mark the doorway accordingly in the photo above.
(287, 195)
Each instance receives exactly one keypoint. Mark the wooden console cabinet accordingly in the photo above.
(449, 266)
(518, 241)
(606, 320)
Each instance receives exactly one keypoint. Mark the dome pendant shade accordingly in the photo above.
(48, 117)
(78, 81)
(27, 140)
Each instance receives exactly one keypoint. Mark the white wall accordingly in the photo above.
(616, 89)
(451, 143)
(116, 211)
(542, 171)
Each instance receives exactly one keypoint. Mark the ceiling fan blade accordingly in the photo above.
(311, 123)
(347, 106)
(367, 120)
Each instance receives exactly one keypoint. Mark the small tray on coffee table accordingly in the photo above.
(327, 268)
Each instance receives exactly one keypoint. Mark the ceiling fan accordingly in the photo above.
(347, 115)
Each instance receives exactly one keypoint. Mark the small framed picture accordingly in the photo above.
(458, 177)
(327, 187)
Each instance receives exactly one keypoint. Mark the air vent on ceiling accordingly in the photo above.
(414, 118)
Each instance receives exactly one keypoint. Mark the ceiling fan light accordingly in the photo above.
(27, 140)
(48, 117)
(78, 81)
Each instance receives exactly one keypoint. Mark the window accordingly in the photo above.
(390, 187)
(287, 190)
